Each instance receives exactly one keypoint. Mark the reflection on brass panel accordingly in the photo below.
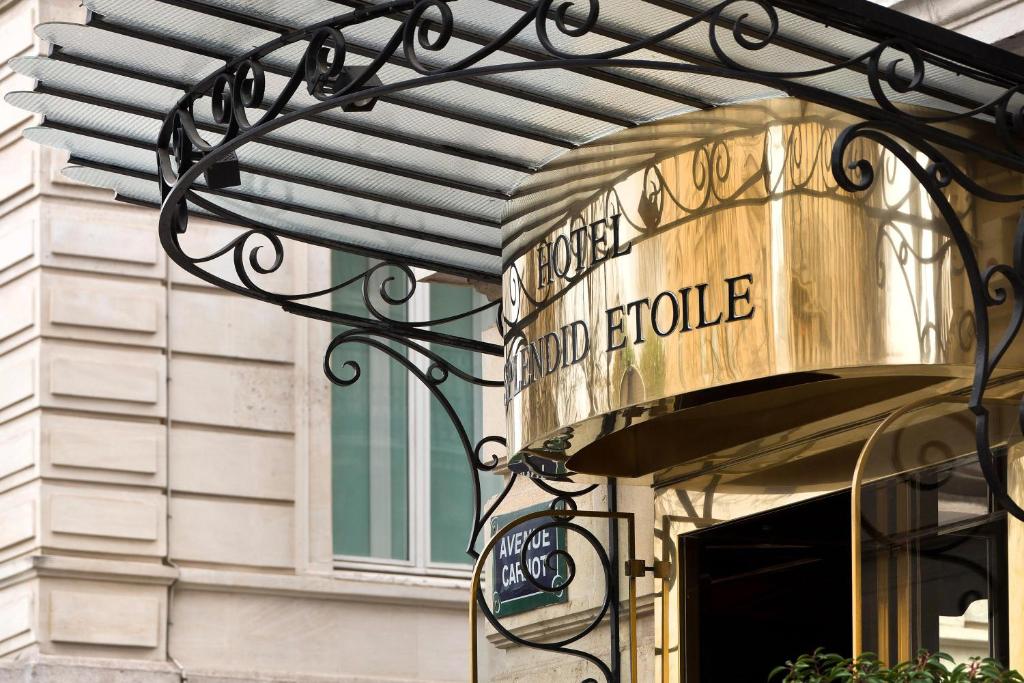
(715, 426)
(692, 285)
(882, 582)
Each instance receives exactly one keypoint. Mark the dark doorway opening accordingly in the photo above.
(764, 589)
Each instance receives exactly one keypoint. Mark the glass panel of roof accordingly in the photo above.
(303, 226)
(125, 52)
(139, 189)
(189, 27)
(121, 90)
(80, 114)
(115, 88)
(322, 170)
(291, 13)
(141, 159)
(303, 197)
(346, 234)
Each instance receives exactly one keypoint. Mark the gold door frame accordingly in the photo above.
(1016, 617)
(856, 574)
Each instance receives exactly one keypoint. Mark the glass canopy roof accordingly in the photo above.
(425, 175)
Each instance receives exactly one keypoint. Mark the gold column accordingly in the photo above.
(882, 579)
(904, 579)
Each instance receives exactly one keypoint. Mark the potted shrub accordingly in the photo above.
(822, 667)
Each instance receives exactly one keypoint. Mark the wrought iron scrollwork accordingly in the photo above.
(563, 515)
(197, 155)
(438, 371)
(426, 28)
(434, 371)
(564, 520)
(392, 283)
(857, 175)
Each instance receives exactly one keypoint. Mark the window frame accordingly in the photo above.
(418, 453)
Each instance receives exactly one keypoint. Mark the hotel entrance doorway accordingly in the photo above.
(764, 589)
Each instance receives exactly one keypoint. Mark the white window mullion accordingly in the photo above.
(419, 445)
(478, 370)
(380, 455)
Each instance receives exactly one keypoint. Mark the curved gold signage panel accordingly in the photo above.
(713, 257)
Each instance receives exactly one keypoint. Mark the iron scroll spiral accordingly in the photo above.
(483, 455)
(437, 373)
(564, 645)
(562, 514)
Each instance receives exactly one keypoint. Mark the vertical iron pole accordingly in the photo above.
(615, 655)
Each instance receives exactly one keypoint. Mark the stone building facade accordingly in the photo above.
(165, 457)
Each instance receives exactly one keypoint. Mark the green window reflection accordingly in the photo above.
(390, 470)
(369, 442)
(451, 488)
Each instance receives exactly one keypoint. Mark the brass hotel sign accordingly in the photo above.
(679, 258)
(672, 311)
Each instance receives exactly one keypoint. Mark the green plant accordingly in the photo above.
(927, 667)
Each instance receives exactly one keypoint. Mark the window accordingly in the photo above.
(401, 487)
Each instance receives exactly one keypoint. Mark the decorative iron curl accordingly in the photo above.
(562, 497)
(985, 294)
(241, 86)
(439, 371)
(562, 519)
(248, 91)
(396, 288)
(716, 17)
(417, 29)
(324, 61)
(551, 562)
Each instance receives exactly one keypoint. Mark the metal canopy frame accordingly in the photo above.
(197, 149)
